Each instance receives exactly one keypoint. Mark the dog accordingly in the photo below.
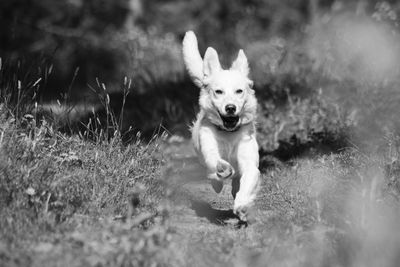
(224, 132)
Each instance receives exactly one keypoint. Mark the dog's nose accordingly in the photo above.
(230, 109)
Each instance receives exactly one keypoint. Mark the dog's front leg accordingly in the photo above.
(217, 168)
(248, 158)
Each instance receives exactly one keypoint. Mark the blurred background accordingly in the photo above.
(326, 72)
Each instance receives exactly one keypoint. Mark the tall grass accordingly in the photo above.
(19, 84)
(52, 183)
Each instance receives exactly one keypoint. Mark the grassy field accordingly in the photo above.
(70, 201)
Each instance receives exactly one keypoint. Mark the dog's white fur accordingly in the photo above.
(226, 150)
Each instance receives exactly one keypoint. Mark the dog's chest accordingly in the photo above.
(227, 146)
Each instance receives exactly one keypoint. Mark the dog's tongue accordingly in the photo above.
(230, 122)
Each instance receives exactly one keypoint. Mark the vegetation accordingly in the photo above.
(95, 169)
(62, 195)
(66, 200)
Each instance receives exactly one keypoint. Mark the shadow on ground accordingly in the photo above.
(216, 216)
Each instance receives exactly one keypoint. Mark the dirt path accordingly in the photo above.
(287, 230)
(209, 232)
(193, 192)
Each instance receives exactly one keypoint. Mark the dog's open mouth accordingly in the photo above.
(230, 122)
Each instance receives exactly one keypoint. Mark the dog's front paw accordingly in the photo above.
(224, 170)
(245, 213)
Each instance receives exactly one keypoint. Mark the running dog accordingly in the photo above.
(224, 134)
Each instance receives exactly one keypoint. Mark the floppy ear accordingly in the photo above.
(211, 62)
(192, 58)
(241, 64)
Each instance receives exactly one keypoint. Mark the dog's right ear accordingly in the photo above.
(211, 62)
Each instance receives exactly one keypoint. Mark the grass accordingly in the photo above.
(54, 186)
(70, 201)
(90, 198)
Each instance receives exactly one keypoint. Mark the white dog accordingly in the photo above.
(224, 133)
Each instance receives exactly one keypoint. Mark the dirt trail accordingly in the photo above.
(196, 200)
(208, 231)
(187, 179)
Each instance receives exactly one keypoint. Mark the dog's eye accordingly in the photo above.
(239, 91)
(219, 92)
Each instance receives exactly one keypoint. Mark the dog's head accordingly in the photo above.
(226, 96)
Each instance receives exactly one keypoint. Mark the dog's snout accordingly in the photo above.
(230, 109)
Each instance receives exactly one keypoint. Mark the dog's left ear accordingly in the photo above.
(241, 64)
